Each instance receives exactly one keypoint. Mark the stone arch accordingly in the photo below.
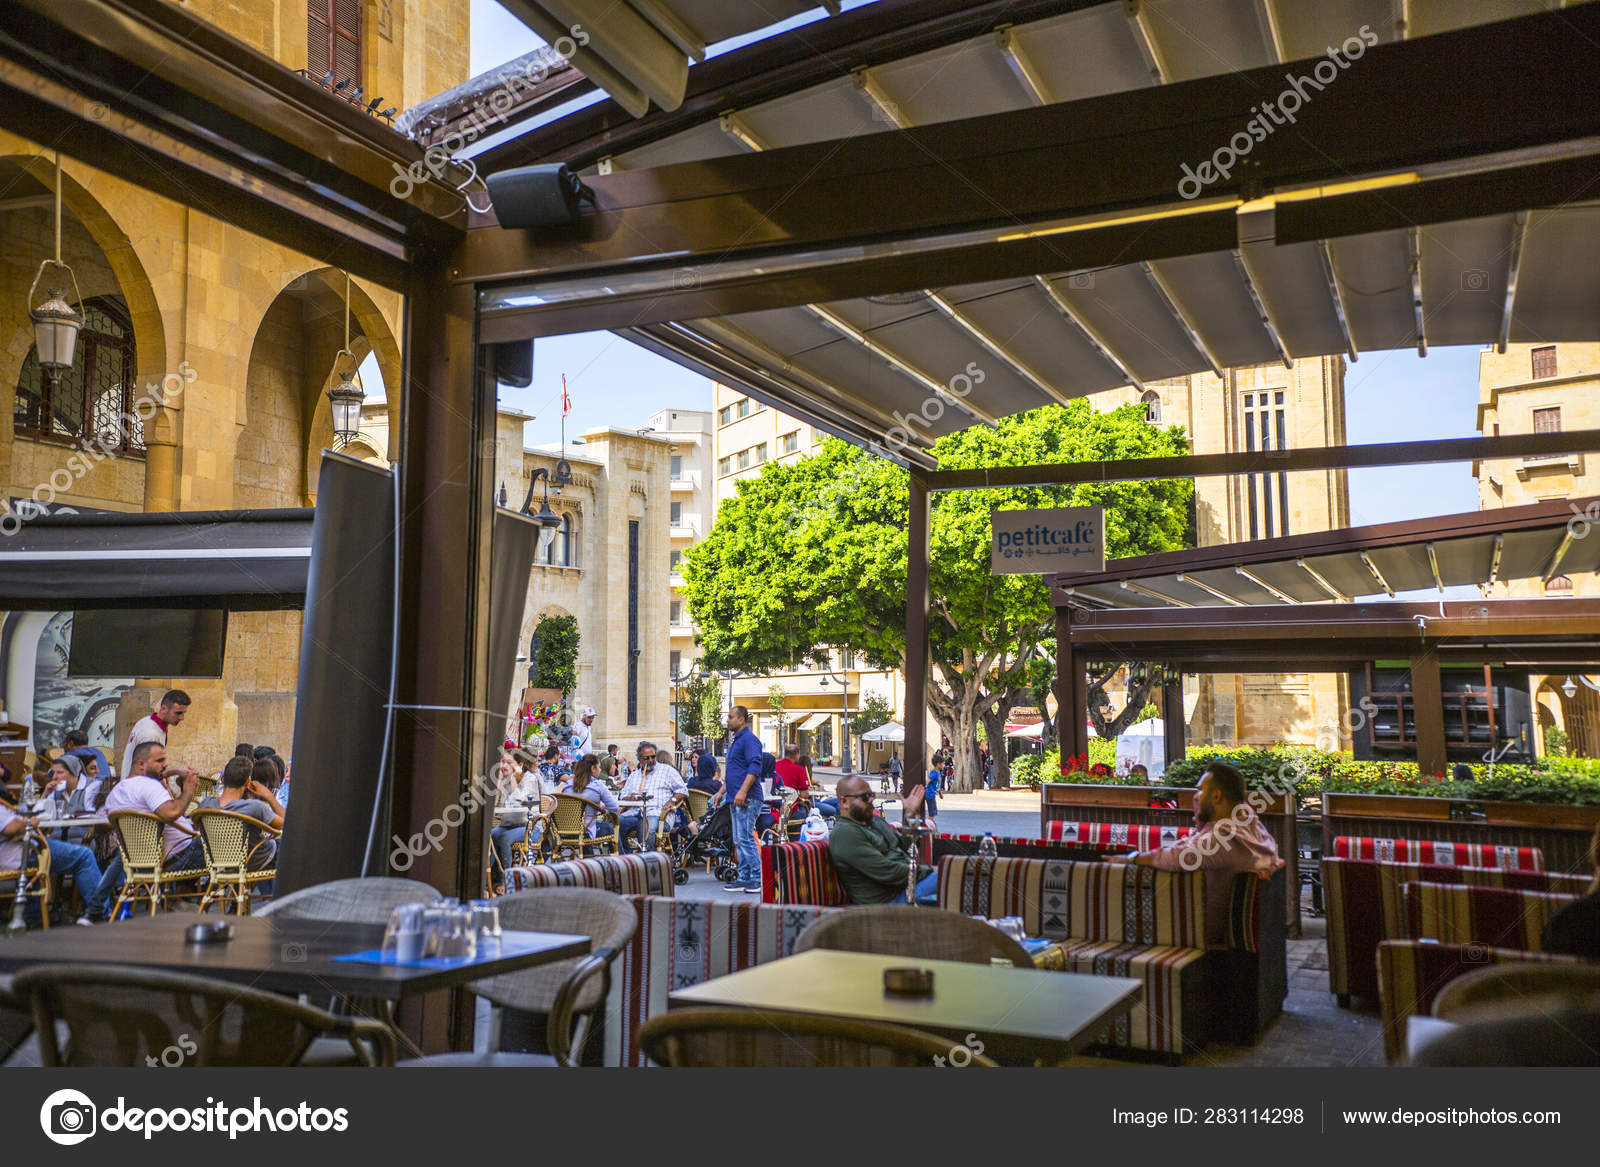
(29, 174)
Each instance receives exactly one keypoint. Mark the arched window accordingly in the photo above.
(561, 551)
(93, 400)
(1558, 583)
(1152, 406)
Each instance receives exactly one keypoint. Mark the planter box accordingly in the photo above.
(1560, 830)
(1083, 802)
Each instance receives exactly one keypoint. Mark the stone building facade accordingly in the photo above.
(1531, 389)
(241, 333)
(1260, 407)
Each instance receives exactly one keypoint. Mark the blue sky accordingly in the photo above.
(1390, 396)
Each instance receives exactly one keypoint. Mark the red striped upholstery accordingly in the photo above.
(1126, 836)
(1106, 917)
(800, 873)
(1412, 972)
(646, 874)
(1438, 853)
(687, 942)
(1495, 916)
(1365, 906)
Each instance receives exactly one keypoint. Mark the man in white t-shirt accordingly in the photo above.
(145, 789)
(583, 734)
(153, 727)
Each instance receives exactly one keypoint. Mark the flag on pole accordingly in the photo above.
(566, 401)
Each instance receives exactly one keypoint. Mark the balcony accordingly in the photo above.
(686, 483)
(1550, 464)
(686, 528)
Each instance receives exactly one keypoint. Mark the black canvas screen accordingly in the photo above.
(147, 642)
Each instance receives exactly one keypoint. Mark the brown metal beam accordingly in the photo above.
(1427, 710)
(1271, 461)
(918, 552)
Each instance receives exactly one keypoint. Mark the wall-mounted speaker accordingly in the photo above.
(536, 196)
(513, 363)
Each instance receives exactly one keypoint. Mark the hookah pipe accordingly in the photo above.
(25, 808)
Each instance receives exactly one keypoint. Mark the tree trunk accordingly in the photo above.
(994, 732)
(968, 774)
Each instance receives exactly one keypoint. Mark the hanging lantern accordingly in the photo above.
(55, 332)
(346, 397)
(1569, 689)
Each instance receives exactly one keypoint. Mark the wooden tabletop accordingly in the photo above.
(1020, 1014)
(282, 955)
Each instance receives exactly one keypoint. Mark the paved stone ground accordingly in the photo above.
(1313, 1030)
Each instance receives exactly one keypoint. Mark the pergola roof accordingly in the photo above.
(1476, 548)
(1070, 329)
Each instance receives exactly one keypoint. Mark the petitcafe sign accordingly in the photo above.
(1034, 542)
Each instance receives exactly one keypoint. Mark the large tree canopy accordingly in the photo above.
(811, 556)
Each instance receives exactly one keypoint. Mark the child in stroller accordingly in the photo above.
(712, 844)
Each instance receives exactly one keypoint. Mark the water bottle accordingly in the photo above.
(986, 847)
(30, 792)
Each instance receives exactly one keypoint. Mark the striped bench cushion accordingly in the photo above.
(1365, 906)
(1438, 853)
(1495, 916)
(1123, 836)
(1411, 974)
(800, 873)
(687, 942)
(646, 874)
(1062, 900)
(1172, 987)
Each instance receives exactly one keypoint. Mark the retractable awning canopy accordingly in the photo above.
(241, 560)
(1473, 549)
(1266, 292)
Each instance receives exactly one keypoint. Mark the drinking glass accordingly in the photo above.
(486, 925)
(403, 938)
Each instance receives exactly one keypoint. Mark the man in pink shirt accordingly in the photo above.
(1228, 839)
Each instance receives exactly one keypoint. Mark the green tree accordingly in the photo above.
(693, 719)
(555, 653)
(811, 556)
(875, 710)
(776, 698)
(709, 694)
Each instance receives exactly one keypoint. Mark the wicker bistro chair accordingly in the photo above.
(918, 933)
(144, 863)
(1499, 990)
(528, 850)
(759, 1037)
(566, 994)
(351, 901)
(35, 877)
(119, 1016)
(231, 859)
(569, 835)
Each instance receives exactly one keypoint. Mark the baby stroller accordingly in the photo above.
(712, 844)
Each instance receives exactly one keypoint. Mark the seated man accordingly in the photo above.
(65, 859)
(246, 790)
(145, 789)
(661, 787)
(1228, 839)
(793, 775)
(868, 855)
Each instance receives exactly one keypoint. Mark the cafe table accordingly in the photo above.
(1020, 1015)
(287, 956)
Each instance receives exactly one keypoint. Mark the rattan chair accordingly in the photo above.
(569, 832)
(140, 835)
(232, 859)
(35, 877)
(530, 850)
(118, 1016)
(751, 1037)
(351, 901)
(1500, 990)
(699, 803)
(918, 933)
(567, 993)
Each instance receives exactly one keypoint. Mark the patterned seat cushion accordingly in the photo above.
(1171, 979)
(1121, 836)
(1496, 916)
(1438, 853)
(800, 873)
(646, 874)
(687, 942)
(1061, 899)
(1365, 906)
(1411, 974)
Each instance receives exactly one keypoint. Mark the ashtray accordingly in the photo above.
(212, 933)
(908, 982)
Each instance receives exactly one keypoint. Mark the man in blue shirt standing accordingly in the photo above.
(742, 777)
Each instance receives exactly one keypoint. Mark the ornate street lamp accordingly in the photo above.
(848, 767)
(55, 324)
(548, 520)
